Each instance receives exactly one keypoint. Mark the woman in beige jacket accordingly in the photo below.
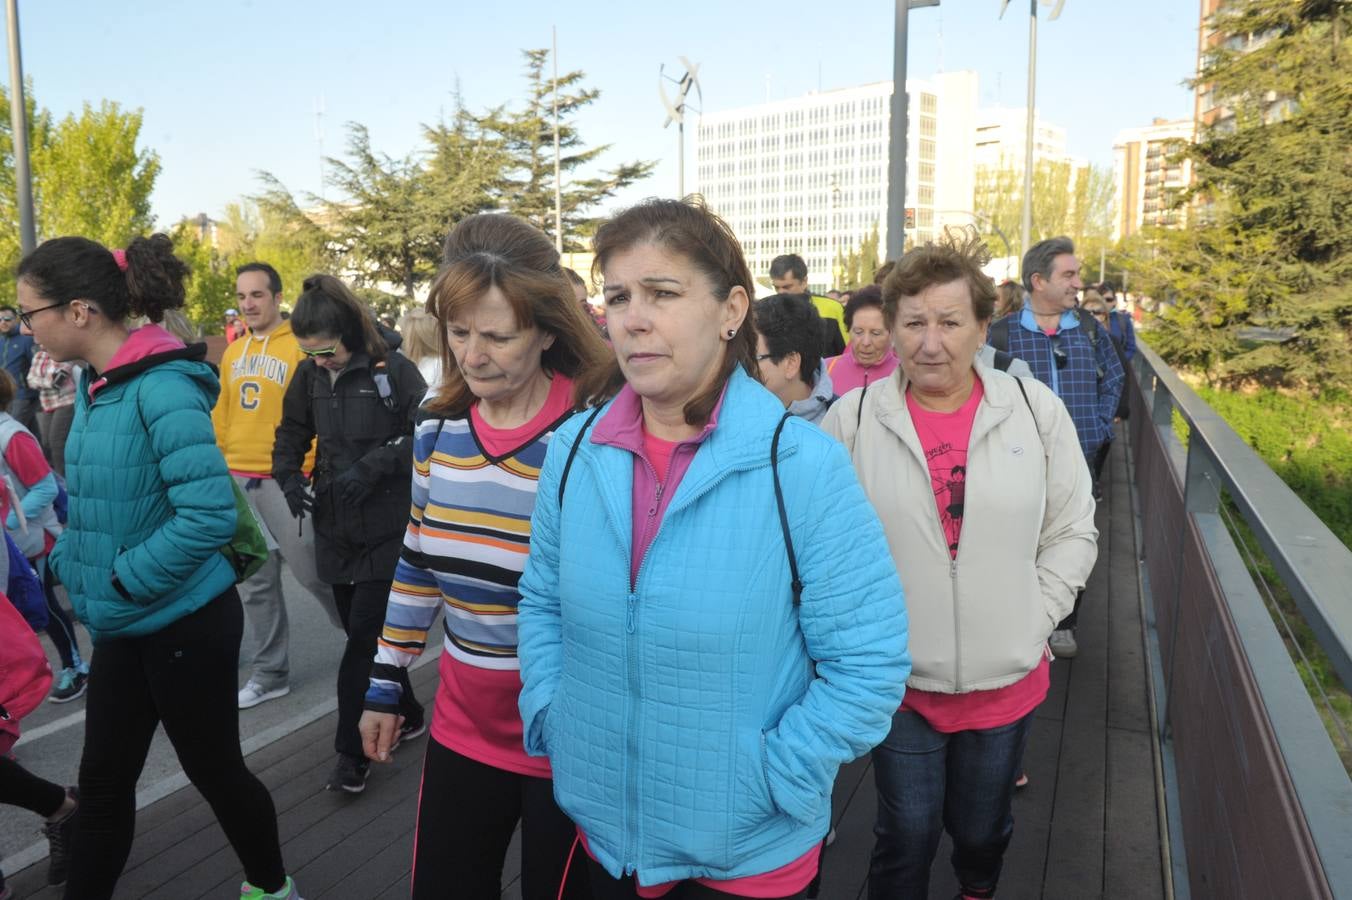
(983, 492)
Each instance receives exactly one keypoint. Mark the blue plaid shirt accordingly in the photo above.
(1091, 400)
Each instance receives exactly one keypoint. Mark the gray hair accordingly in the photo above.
(1041, 257)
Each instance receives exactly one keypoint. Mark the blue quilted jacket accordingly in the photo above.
(688, 732)
(150, 497)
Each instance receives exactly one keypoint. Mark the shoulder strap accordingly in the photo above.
(1003, 361)
(1091, 330)
(380, 373)
(998, 335)
(1026, 402)
(572, 451)
(859, 413)
(797, 583)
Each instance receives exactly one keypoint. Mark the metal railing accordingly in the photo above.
(1265, 802)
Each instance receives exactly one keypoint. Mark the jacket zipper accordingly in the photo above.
(631, 655)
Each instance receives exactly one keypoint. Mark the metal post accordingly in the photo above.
(18, 115)
(896, 144)
(680, 158)
(1103, 264)
(558, 185)
(1029, 137)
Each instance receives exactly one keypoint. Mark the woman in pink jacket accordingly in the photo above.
(869, 356)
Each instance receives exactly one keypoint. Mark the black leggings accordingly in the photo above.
(59, 626)
(606, 888)
(467, 811)
(184, 676)
(361, 607)
(20, 787)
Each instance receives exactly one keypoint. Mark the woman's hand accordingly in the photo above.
(378, 731)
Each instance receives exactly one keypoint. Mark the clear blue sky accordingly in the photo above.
(230, 87)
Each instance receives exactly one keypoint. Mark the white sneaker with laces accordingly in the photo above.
(1063, 643)
(253, 694)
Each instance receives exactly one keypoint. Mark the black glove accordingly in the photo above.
(353, 486)
(298, 499)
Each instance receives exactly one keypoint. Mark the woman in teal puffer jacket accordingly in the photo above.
(151, 505)
(695, 700)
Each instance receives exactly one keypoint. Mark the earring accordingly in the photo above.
(732, 333)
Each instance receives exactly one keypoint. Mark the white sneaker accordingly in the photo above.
(253, 694)
(1063, 643)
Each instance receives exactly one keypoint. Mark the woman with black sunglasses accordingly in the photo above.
(358, 398)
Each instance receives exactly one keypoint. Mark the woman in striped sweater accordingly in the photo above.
(519, 357)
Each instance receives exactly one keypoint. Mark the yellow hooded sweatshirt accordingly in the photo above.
(255, 373)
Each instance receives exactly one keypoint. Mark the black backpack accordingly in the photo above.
(998, 337)
(797, 583)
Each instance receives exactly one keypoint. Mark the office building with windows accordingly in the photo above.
(808, 175)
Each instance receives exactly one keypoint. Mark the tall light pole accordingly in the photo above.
(896, 143)
(1030, 112)
(676, 111)
(558, 184)
(18, 116)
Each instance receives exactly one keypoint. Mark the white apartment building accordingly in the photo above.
(808, 175)
(1001, 135)
(1149, 176)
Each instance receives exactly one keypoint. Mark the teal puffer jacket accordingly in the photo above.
(150, 497)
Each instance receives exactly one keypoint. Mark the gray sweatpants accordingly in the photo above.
(261, 594)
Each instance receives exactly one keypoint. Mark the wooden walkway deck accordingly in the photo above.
(1086, 827)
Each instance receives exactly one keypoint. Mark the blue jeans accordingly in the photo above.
(929, 782)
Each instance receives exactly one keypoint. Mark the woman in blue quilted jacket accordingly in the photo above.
(700, 656)
(151, 506)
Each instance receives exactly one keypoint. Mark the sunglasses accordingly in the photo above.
(1059, 353)
(323, 351)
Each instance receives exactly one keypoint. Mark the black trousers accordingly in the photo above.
(361, 607)
(606, 888)
(59, 626)
(184, 676)
(467, 811)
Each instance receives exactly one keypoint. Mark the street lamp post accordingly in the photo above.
(18, 114)
(676, 112)
(897, 139)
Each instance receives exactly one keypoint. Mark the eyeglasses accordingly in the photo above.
(27, 317)
(6, 318)
(323, 351)
(1059, 353)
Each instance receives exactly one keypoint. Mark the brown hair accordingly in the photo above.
(327, 306)
(1093, 298)
(1009, 298)
(689, 229)
(883, 271)
(497, 250)
(959, 255)
(7, 389)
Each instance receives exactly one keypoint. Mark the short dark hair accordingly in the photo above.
(868, 296)
(788, 264)
(274, 280)
(790, 324)
(1041, 259)
(958, 256)
(7, 387)
(8, 308)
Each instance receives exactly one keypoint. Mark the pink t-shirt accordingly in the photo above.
(25, 460)
(944, 437)
(475, 712)
(785, 881)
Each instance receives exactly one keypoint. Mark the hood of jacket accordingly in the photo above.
(150, 346)
(813, 407)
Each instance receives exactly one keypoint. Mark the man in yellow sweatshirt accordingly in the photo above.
(255, 372)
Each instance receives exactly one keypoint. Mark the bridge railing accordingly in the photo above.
(1263, 800)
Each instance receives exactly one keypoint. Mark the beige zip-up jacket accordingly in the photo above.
(1028, 541)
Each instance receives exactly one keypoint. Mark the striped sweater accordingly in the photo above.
(465, 548)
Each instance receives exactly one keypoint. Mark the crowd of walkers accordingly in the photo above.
(692, 554)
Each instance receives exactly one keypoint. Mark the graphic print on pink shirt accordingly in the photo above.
(944, 438)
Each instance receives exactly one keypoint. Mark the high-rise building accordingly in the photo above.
(808, 175)
(1001, 136)
(1212, 111)
(1149, 175)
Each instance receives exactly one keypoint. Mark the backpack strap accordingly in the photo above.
(859, 413)
(797, 583)
(380, 373)
(572, 451)
(1028, 403)
(1003, 361)
(1092, 330)
(998, 335)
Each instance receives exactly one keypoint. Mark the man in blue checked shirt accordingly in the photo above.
(1070, 354)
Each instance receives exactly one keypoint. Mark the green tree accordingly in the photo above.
(1076, 201)
(253, 231)
(526, 187)
(1272, 254)
(856, 269)
(210, 288)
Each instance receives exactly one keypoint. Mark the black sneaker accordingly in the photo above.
(408, 731)
(70, 685)
(349, 774)
(58, 841)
